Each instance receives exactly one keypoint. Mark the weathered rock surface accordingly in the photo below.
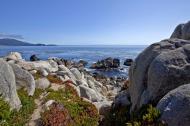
(61, 61)
(8, 85)
(158, 69)
(66, 71)
(103, 107)
(42, 83)
(121, 99)
(49, 66)
(89, 94)
(182, 31)
(14, 56)
(24, 79)
(43, 72)
(175, 106)
(76, 73)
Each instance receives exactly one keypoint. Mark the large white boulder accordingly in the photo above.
(90, 94)
(8, 85)
(14, 56)
(24, 79)
(49, 66)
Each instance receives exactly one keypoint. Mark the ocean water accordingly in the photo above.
(88, 53)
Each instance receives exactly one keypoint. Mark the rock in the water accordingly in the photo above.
(14, 56)
(24, 79)
(182, 31)
(107, 63)
(158, 69)
(82, 63)
(42, 83)
(8, 85)
(116, 63)
(34, 58)
(175, 106)
(128, 62)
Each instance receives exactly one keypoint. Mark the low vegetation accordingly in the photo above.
(56, 115)
(146, 116)
(21, 117)
(54, 79)
(71, 110)
(82, 113)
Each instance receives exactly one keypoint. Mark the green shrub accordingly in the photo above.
(117, 117)
(83, 113)
(21, 117)
(146, 116)
(4, 112)
(152, 114)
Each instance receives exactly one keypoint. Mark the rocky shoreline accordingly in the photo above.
(60, 92)
(37, 74)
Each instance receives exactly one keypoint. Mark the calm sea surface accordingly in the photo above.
(87, 53)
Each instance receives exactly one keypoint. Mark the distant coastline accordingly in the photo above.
(14, 42)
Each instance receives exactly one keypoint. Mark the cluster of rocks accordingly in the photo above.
(160, 75)
(62, 61)
(17, 73)
(110, 63)
(107, 63)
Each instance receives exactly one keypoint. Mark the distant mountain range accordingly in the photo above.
(14, 42)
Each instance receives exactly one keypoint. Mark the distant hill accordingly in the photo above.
(14, 42)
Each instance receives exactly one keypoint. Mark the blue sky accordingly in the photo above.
(86, 22)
